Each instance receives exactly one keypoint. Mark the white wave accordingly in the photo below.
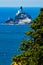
(6, 24)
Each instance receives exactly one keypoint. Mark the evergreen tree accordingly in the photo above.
(33, 47)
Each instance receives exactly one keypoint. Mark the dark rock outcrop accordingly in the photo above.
(9, 21)
(20, 18)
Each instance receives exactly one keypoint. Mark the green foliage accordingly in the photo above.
(33, 48)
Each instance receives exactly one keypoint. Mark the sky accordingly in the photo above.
(18, 3)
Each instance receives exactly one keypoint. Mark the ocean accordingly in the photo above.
(12, 35)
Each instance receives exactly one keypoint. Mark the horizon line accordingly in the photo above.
(22, 6)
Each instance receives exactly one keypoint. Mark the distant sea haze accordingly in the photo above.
(11, 36)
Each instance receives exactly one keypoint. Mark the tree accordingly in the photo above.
(32, 48)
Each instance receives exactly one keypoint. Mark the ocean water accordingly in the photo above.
(12, 35)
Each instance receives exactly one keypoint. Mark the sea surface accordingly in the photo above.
(12, 35)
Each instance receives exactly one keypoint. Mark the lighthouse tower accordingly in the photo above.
(19, 11)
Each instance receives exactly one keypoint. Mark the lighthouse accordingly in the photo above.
(19, 11)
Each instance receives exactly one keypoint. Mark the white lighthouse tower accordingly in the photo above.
(19, 11)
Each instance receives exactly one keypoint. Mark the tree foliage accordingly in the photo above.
(33, 48)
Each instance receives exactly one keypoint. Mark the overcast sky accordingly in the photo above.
(18, 3)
